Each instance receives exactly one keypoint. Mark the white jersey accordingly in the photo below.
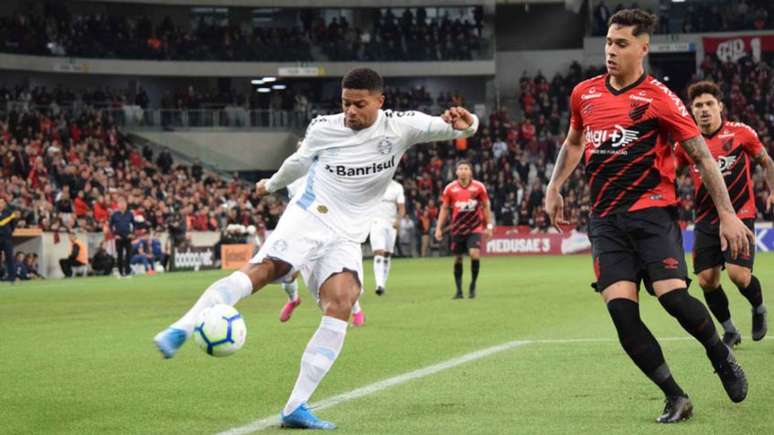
(387, 209)
(296, 187)
(350, 170)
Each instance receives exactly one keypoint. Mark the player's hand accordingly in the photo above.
(770, 202)
(488, 233)
(555, 207)
(458, 117)
(735, 235)
(260, 187)
(438, 234)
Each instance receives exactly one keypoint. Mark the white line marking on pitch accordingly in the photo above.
(265, 423)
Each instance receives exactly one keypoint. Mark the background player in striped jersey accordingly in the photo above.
(384, 230)
(734, 146)
(471, 216)
(624, 124)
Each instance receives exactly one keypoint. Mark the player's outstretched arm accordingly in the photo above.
(293, 168)
(764, 159)
(569, 156)
(734, 234)
(454, 123)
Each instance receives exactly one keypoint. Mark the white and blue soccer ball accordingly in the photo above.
(220, 330)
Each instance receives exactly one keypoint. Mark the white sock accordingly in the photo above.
(228, 290)
(386, 270)
(379, 270)
(291, 288)
(318, 358)
(356, 307)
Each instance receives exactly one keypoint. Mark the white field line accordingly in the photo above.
(273, 421)
(267, 422)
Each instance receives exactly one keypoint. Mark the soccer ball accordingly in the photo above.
(220, 330)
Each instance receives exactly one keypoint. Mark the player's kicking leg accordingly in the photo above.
(337, 296)
(229, 290)
(750, 288)
(291, 289)
(717, 301)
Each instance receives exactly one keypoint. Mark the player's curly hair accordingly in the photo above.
(363, 78)
(643, 22)
(704, 87)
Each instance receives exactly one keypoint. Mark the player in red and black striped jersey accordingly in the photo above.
(735, 146)
(469, 204)
(623, 124)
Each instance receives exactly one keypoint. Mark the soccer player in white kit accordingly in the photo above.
(384, 230)
(350, 158)
(291, 288)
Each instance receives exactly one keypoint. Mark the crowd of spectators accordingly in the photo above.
(514, 157)
(412, 36)
(66, 172)
(697, 16)
(70, 173)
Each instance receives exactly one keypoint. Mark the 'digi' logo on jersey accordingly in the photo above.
(619, 136)
(469, 205)
(373, 168)
(725, 163)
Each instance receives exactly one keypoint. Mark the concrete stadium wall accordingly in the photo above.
(313, 3)
(228, 150)
(511, 65)
(235, 69)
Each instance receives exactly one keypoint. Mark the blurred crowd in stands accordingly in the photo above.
(52, 29)
(67, 172)
(696, 16)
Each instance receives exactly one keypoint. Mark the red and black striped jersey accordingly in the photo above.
(467, 205)
(628, 136)
(733, 146)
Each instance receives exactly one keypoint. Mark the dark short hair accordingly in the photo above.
(704, 87)
(463, 162)
(643, 22)
(363, 78)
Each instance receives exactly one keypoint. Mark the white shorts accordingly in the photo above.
(383, 237)
(311, 248)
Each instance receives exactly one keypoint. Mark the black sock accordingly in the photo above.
(753, 292)
(641, 345)
(475, 265)
(695, 319)
(718, 303)
(458, 276)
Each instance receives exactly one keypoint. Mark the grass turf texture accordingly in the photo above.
(77, 357)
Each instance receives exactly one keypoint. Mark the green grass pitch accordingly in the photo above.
(76, 357)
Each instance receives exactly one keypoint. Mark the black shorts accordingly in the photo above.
(643, 245)
(461, 244)
(707, 253)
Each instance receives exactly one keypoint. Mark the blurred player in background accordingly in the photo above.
(624, 124)
(350, 158)
(384, 230)
(471, 215)
(734, 146)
